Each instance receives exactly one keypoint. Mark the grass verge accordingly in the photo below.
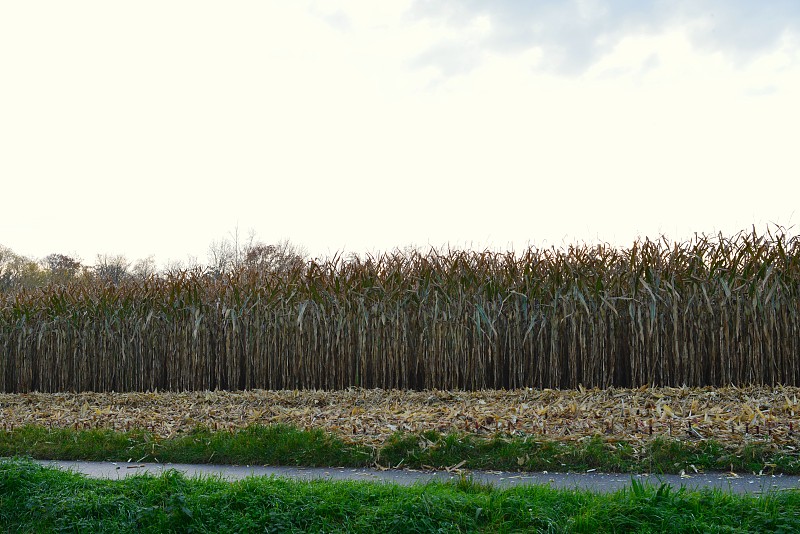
(38, 499)
(287, 445)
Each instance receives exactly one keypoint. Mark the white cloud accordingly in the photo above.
(576, 34)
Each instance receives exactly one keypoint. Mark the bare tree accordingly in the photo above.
(281, 257)
(229, 253)
(234, 253)
(144, 268)
(173, 267)
(221, 256)
(112, 269)
(62, 268)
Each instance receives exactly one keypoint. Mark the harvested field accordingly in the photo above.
(732, 416)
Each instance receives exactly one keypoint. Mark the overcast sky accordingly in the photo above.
(155, 127)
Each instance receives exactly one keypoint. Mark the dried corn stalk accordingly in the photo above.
(712, 311)
(729, 415)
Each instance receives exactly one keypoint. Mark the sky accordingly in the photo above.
(156, 127)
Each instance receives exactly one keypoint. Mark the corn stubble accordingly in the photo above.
(711, 311)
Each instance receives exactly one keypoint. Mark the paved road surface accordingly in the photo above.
(593, 481)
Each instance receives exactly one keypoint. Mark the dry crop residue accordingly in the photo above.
(729, 415)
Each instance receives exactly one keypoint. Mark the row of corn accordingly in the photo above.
(714, 310)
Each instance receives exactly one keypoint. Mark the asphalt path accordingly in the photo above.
(593, 481)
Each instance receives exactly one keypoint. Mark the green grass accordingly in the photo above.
(535, 454)
(38, 499)
(286, 445)
(272, 445)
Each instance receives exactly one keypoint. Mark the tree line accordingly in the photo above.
(19, 272)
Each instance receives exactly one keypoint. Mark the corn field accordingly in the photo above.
(711, 311)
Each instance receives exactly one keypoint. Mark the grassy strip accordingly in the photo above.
(528, 454)
(38, 499)
(266, 445)
(286, 445)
